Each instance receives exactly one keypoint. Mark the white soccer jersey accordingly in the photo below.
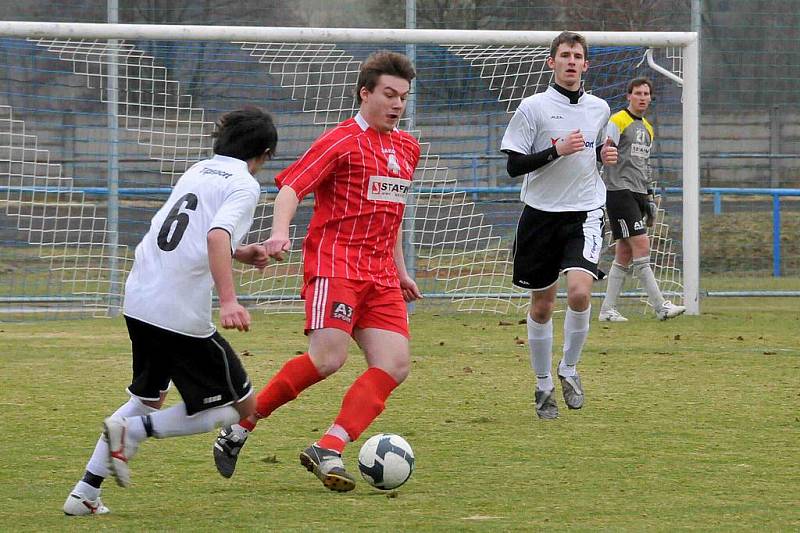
(572, 182)
(170, 283)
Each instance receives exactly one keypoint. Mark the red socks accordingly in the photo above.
(296, 375)
(363, 402)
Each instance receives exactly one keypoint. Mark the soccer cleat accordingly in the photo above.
(327, 465)
(670, 310)
(227, 447)
(546, 407)
(573, 391)
(611, 315)
(120, 449)
(79, 505)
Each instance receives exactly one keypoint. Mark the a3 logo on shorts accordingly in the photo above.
(342, 311)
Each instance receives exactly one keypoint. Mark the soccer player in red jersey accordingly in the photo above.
(355, 283)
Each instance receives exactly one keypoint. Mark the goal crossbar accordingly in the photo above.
(63, 30)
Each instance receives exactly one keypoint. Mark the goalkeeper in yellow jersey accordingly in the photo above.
(630, 204)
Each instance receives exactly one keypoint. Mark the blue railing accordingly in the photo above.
(716, 192)
(776, 194)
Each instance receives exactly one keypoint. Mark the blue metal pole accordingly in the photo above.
(776, 235)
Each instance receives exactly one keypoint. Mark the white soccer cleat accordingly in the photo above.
(120, 449)
(611, 315)
(79, 505)
(670, 310)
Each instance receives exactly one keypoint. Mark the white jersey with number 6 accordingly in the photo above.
(170, 283)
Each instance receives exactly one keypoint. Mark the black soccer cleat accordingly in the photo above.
(227, 447)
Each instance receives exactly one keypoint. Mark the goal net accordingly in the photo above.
(94, 132)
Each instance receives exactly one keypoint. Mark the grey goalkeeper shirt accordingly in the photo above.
(634, 138)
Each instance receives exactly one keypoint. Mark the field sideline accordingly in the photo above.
(693, 423)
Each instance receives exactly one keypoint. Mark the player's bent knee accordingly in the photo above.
(328, 361)
(399, 369)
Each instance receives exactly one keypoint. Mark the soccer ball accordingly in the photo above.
(386, 461)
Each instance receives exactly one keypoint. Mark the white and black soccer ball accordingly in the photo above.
(386, 461)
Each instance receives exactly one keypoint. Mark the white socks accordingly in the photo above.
(174, 422)
(540, 338)
(576, 330)
(641, 269)
(98, 463)
(616, 280)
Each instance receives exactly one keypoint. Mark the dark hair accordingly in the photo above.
(635, 82)
(570, 38)
(245, 133)
(383, 62)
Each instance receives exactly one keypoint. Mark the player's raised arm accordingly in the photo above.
(285, 208)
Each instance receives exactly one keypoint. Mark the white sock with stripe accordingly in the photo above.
(174, 422)
(98, 463)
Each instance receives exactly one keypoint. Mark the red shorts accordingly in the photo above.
(347, 304)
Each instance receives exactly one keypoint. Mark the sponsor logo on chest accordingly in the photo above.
(388, 189)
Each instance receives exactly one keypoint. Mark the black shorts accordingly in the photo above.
(206, 371)
(626, 210)
(547, 244)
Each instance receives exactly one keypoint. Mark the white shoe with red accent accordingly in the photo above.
(79, 505)
(120, 449)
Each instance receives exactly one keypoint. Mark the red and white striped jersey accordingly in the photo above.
(360, 179)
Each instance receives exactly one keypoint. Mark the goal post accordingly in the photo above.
(166, 113)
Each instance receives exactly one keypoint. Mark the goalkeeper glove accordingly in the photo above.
(650, 209)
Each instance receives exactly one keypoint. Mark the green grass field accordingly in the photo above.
(689, 424)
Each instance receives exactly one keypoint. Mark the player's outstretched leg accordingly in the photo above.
(227, 447)
(294, 377)
(121, 448)
(328, 466)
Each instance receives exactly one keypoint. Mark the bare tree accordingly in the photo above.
(625, 15)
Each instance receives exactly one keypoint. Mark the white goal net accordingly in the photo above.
(95, 132)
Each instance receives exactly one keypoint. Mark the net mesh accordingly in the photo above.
(460, 218)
